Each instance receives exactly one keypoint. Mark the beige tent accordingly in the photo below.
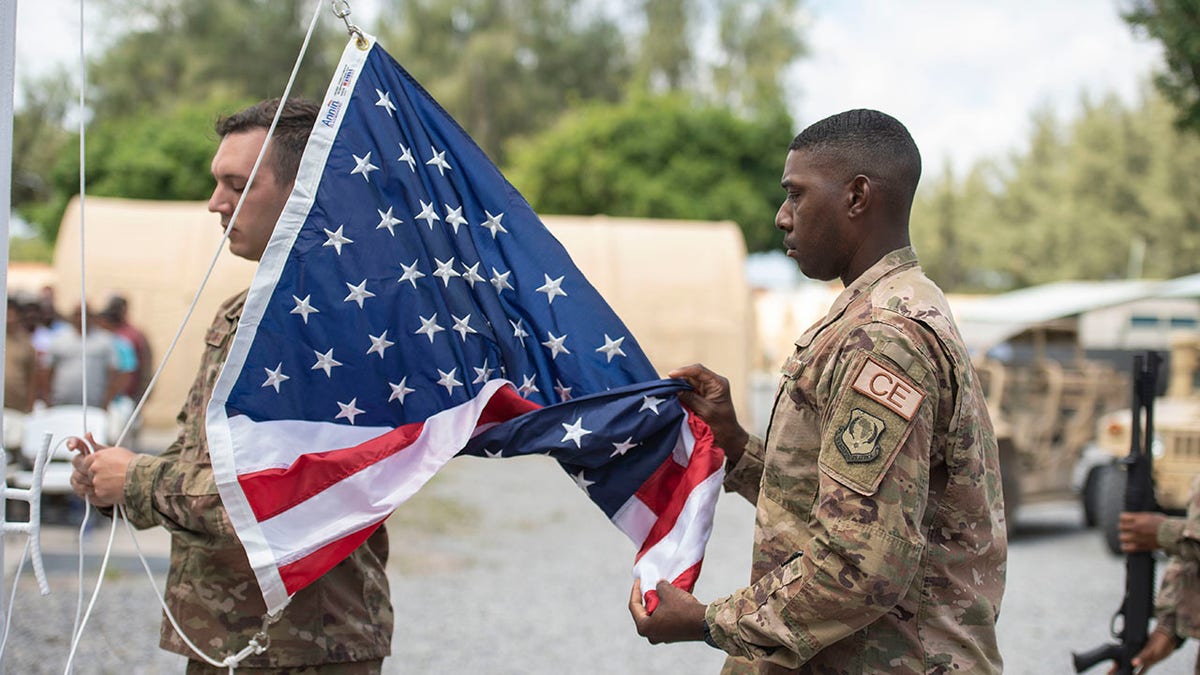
(678, 285)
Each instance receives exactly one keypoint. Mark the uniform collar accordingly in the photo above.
(897, 260)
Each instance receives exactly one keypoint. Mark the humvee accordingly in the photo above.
(1044, 400)
(1176, 447)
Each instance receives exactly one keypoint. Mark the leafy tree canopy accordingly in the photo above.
(659, 157)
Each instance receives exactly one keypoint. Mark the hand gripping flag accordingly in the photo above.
(409, 307)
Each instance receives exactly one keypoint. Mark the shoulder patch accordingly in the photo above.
(869, 424)
(880, 383)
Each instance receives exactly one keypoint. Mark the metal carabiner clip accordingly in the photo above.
(341, 9)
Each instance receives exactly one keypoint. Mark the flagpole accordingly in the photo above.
(8, 39)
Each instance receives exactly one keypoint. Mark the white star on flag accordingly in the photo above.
(407, 157)
(358, 293)
(555, 345)
(379, 344)
(429, 326)
(493, 223)
(575, 432)
(463, 326)
(411, 273)
(364, 166)
(582, 482)
(337, 239)
(454, 217)
(500, 280)
(563, 391)
(471, 274)
(388, 221)
(326, 362)
(274, 377)
(551, 288)
(448, 380)
(385, 102)
(349, 410)
(527, 386)
(518, 332)
(445, 270)
(303, 308)
(399, 390)
(611, 347)
(428, 214)
(623, 447)
(439, 160)
(482, 374)
(651, 403)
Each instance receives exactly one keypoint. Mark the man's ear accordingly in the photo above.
(859, 194)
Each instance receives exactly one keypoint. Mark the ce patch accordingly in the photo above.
(870, 423)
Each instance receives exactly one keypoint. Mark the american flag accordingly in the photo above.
(410, 307)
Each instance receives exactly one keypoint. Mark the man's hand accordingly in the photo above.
(1159, 646)
(99, 475)
(679, 616)
(1138, 532)
(711, 401)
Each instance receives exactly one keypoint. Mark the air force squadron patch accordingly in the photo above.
(870, 423)
(859, 437)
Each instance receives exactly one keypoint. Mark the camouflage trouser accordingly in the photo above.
(354, 668)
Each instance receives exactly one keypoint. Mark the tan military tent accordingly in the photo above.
(678, 285)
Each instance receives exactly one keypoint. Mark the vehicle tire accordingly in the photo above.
(1090, 497)
(1010, 484)
(1110, 501)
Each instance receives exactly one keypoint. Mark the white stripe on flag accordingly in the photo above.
(277, 444)
(683, 546)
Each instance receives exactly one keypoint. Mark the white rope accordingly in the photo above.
(255, 647)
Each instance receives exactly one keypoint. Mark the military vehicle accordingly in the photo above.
(1176, 447)
(1045, 399)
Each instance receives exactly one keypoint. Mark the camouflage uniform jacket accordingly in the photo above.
(345, 615)
(1178, 604)
(880, 543)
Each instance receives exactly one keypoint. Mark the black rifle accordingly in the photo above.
(1138, 605)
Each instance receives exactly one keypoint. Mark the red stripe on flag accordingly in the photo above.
(686, 581)
(667, 490)
(298, 574)
(273, 491)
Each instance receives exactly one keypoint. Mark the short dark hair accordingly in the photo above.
(291, 132)
(867, 142)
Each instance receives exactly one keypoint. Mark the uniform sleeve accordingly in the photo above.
(745, 477)
(1166, 603)
(867, 542)
(178, 496)
(176, 489)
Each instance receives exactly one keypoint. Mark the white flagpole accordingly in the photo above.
(8, 58)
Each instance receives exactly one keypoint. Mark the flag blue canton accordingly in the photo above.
(419, 274)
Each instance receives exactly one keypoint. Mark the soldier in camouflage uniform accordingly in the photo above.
(342, 623)
(1177, 607)
(880, 540)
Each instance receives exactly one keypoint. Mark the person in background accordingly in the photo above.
(1177, 606)
(60, 373)
(115, 316)
(19, 360)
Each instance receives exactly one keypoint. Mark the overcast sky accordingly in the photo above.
(964, 75)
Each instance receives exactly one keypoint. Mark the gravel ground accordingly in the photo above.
(502, 567)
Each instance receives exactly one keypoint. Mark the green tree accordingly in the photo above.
(659, 157)
(1080, 202)
(149, 155)
(1176, 25)
(187, 52)
(504, 68)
